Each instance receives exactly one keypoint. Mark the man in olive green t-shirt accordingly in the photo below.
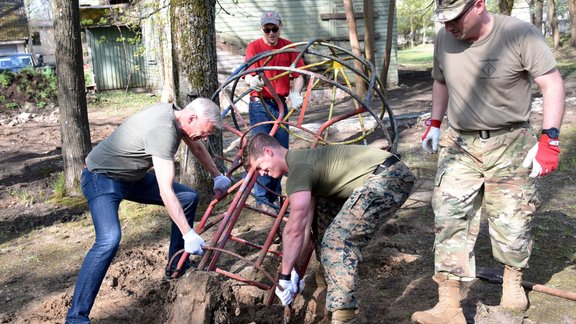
(371, 184)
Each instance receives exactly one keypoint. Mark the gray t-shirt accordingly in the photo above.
(488, 81)
(331, 171)
(127, 153)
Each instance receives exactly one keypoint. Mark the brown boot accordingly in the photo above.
(513, 294)
(344, 316)
(448, 310)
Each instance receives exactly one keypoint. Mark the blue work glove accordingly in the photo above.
(221, 184)
(286, 296)
(193, 243)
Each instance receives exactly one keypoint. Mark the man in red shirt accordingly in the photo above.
(271, 26)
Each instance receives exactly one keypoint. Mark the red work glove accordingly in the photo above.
(431, 136)
(543, 156)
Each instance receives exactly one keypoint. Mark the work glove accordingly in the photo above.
(298, 285)
(256, 83)
(431, 136)
(543, 156)
(296, 100)
(193, 243)
(286, 296)
(221, 184)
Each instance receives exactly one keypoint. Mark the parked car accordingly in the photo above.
(18, 61)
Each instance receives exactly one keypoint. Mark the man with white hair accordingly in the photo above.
(118, 168)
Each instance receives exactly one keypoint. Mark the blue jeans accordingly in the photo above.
(257, 115)
(104, 195)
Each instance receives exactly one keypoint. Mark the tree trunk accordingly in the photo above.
(361, 87)
(195, 73)
(389, 40)
(506, 6)
(553, 24)
(74, 126)
(412, 33)
(572, 10)
(536, 8)
(369, 30)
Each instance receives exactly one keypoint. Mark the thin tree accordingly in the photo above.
(369, 30)
(74, 127)
(506, 6)
(195, 72)
(355, 44)
(536, 13)
(572, 10)
(553, 20)
(389, 37)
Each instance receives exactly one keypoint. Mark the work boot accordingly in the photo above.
(344, 316)
(513, 294)
(448, 310)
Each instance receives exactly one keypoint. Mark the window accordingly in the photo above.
(36, 39)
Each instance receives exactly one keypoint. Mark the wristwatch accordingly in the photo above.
(553, 132)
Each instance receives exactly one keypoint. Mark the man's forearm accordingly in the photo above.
(439, 100)
(201, 153)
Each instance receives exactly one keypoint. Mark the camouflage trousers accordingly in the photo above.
(475, 173)
(345, 227)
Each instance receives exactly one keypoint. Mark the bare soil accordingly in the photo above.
(42, 244)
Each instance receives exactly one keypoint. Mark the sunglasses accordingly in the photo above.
(268, 30)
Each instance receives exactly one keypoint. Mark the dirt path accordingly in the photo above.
(42, 246)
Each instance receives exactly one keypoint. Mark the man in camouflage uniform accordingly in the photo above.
(372, 182)
(482, 69)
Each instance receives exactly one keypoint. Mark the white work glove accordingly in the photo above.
(193, 243)
(286, 296)
(298, 285)
(431, 136)
(256, 83)
(296, 100)
(221, 184)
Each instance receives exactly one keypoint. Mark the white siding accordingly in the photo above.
(238, 21)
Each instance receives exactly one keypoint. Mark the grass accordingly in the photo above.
(417, 57)
(567, 149)
(120, 101)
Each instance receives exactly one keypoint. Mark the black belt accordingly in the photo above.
(486, 134)
(257, 99)
(390, 161)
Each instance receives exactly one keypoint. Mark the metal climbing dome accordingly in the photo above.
(336, 117)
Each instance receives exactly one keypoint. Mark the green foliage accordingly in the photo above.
(59, 186)
(413, 18)
(37, 86)
(86, 22)
(6, 79)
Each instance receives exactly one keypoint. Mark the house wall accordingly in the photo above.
(40, 19)
(13, 47)
(238, 21)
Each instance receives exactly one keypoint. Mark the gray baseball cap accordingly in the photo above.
(270, 17)
(447, 10)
